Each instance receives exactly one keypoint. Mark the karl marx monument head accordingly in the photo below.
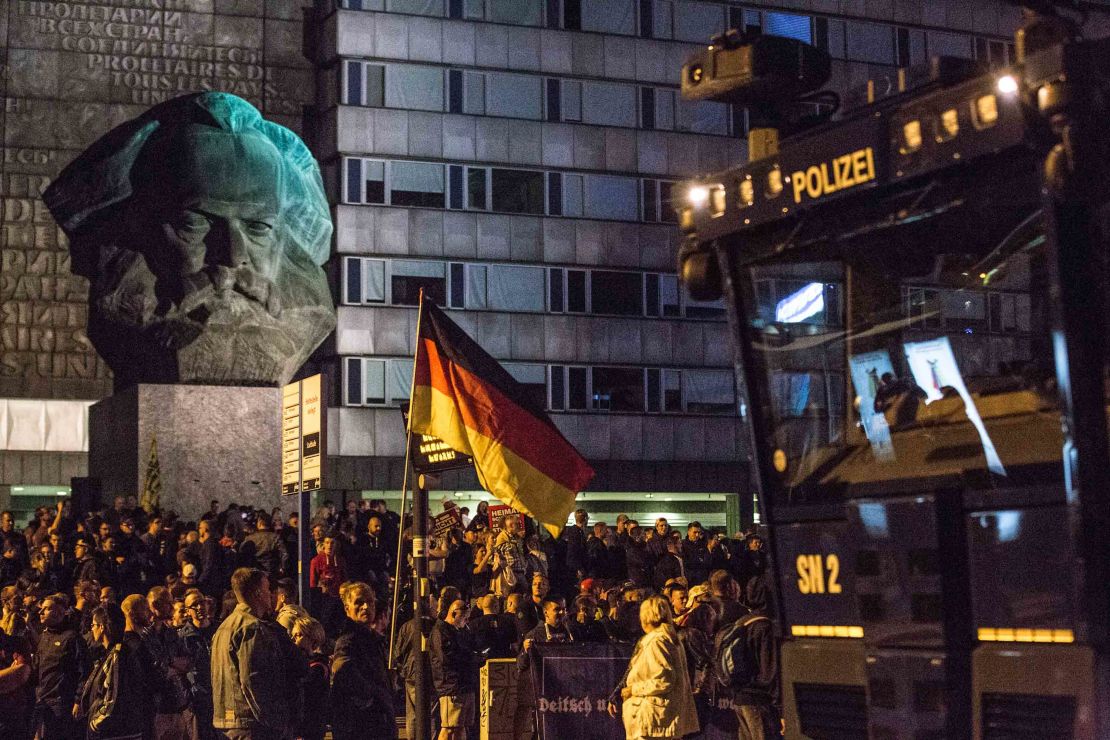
(202, 229)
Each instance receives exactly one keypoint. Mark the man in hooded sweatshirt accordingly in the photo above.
(759, 703)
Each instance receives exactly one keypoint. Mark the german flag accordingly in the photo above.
(464, 397)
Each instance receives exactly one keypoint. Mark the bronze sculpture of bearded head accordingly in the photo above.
(202, 229)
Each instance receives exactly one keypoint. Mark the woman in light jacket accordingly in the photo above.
(656, 699)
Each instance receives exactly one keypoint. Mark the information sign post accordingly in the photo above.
(302, 442)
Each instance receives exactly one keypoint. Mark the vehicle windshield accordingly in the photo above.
(905, 361)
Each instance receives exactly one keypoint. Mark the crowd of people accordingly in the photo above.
(124, 623)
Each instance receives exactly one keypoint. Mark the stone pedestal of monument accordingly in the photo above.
(214, 442)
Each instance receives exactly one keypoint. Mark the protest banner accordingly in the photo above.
(446, 521)
(573, 682)
(498, 512)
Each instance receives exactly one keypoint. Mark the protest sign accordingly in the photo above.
(498, 512)
(446, 521)
(573, 682)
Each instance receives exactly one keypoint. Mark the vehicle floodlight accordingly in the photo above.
(698, 196)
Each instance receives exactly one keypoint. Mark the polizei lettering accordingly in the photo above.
(840, 173)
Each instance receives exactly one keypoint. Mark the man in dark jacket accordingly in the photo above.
(194, 636)
(638, 558)
(552, 629)
(127, 709)
(376, 561)
(59, 670)
(405, 657)
(454, 672)
(576, 537)
(695, 554)
(493, 633)
(213, 567)
(362, 700)
(759, 703)
(256, 669)
(263, 549)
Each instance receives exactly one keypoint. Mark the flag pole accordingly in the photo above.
(405, 485)
(420, 728)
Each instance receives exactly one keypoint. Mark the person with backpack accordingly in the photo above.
(746, 666)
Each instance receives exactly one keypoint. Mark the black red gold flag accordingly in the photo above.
(464, 397)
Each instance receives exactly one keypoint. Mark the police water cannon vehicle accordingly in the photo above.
(917, 289)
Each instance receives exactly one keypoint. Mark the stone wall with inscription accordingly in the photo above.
(69, 72)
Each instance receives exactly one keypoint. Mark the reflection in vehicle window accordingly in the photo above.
(926, 361)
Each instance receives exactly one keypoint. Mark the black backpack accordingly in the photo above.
(733, 665)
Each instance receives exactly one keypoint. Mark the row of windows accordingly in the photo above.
(506, 190)
(968, 311)
(520, 288)
(430, 88)
(371, 381)
(697, 22)
(798, 301)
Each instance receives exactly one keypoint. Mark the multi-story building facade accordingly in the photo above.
(515, 159)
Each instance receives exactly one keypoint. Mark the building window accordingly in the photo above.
(554, 193)
(697, 22)
(534, 380)
(577, 388)
(414, 87)
(663, 19)
(702, 117)
(991, 52)
(923, 308)
(456, 286)
(576, 291)
(607, 16)
(609, 104)
(557, 388)
(371, 381)
(365, 181)
(415, 7)
(611, 197)
(790, 25)
(949, 44)
(656, 200)
(572, 195)
(434, 185)
(517, 12)
(364, 281)
(709, 391)
(514, 96)
(869, 42)
(664, 391)
(704, 309)
(661, 296)
(787, 301)
(416, 184)
(1010, 312)
(408, 277)
(518, 191)
(515, 288)
(616, 293)
(617, 389)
